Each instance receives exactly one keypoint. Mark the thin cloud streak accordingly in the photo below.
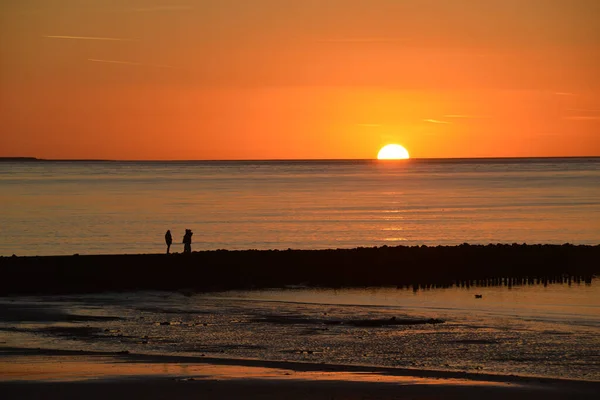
(583, 118)
(435, 121)
(584, 110)
(88, 38)
(465, 116)
(130, 63)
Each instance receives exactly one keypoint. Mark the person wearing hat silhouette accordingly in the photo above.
(187, 241)
(168, 240)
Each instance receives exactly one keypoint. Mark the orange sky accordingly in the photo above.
(277, 79)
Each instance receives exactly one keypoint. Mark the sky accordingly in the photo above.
(298, 79)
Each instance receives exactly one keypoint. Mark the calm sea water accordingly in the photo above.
(51, 208)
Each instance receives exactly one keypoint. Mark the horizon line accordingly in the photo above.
(28, 158)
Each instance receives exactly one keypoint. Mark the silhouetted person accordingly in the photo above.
(187, 241)
(168, 240)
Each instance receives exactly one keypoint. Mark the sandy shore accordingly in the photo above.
(29, 374)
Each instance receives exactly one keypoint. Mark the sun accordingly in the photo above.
(393, 152)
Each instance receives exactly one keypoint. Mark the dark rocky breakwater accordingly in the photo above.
(416, 267)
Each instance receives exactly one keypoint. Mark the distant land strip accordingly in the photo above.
(15, 159)
(416, 268)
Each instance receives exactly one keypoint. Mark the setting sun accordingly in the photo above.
(393, 152)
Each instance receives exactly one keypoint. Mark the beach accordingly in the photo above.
(523, 341)
(60, 375)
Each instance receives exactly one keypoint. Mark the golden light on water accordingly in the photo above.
(393, 152)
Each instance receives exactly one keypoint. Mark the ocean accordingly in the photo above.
(114, 207)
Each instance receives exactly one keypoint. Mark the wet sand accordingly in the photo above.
(55, 374)
(417, 266)
(26, 374)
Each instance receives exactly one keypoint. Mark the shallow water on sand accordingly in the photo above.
(551, 331)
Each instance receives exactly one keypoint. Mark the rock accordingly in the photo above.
(187, 292)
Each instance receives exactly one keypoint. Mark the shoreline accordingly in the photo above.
(26, 373)
(295, 366)
(218, 270)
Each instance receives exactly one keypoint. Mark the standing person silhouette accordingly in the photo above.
(168, 240)
(187, 241)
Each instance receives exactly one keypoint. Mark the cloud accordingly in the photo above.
(465, 116)
(583, 118)
(584, 110)
(87, 38)
(435, 121)
(582, 114)
(130, 63)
